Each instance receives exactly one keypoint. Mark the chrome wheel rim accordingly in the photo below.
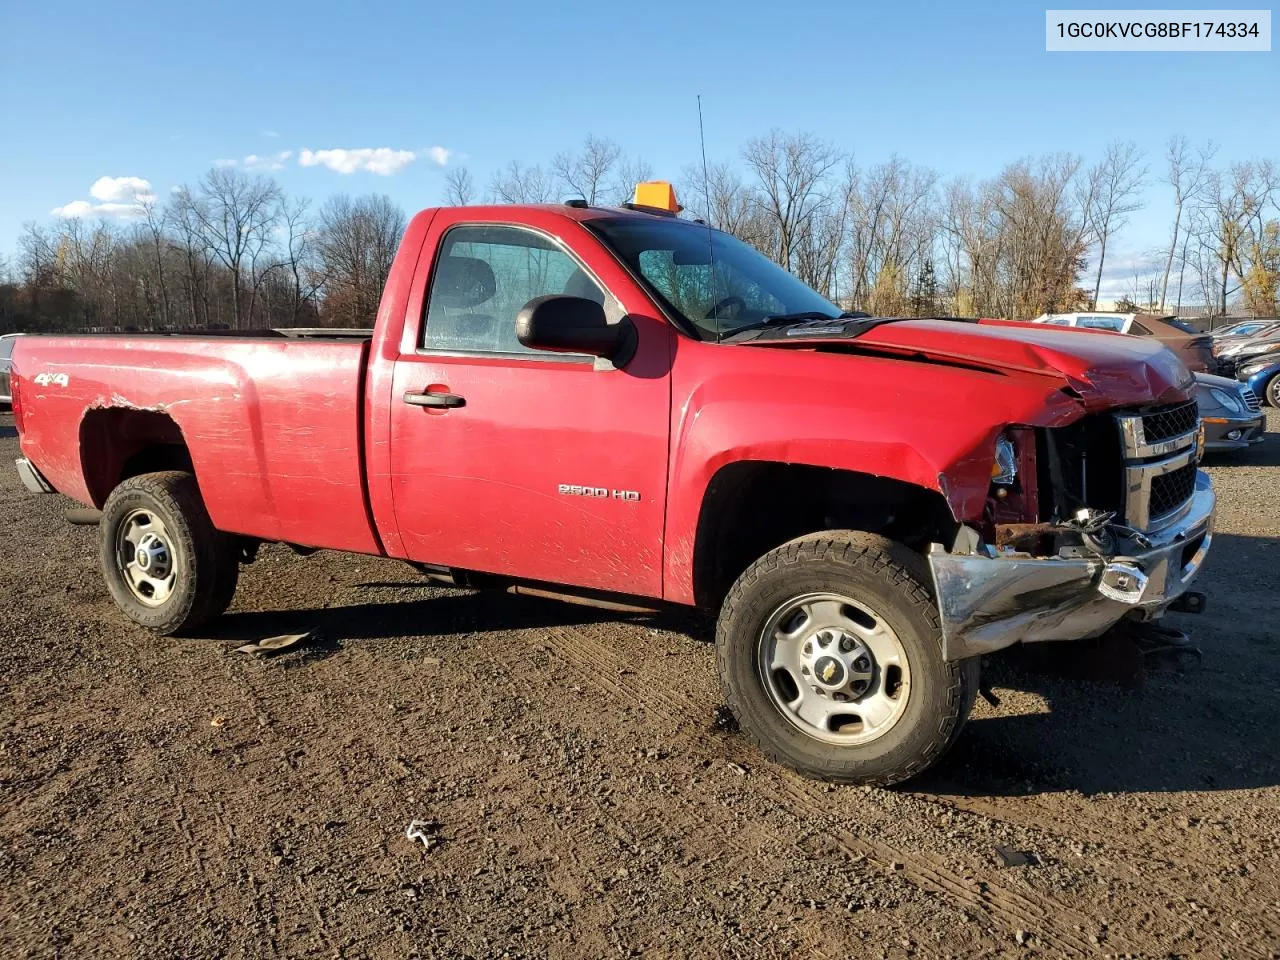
(834, 668)
(145, 557)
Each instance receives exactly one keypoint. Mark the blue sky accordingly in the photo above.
(160, 90)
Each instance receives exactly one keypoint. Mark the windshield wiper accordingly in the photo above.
(777, 318)
(802, 316)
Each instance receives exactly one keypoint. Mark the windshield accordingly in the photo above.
(716, 282)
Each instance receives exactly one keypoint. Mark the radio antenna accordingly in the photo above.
(706, 200)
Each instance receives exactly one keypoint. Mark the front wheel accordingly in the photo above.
(165, 564)
(830, 653)
(1271, 392)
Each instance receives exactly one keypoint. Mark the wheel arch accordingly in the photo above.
(752, 506)
(118, 443)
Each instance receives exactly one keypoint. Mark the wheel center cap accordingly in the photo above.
(830, 672)
(144, 558)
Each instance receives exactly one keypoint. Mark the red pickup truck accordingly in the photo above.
(623, 406)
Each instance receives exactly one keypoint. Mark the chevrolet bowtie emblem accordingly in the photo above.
(828, 672)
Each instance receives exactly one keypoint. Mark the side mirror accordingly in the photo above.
(575, 325)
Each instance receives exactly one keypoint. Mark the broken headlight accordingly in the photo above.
(1005, 468)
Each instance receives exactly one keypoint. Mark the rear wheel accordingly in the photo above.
(166, 566)
(830, 652)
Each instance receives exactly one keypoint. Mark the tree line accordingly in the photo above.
(894, 238)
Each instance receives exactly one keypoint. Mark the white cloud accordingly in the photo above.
(439, 155)
(122, 190)
(119, 197)
(273, 161)
(380, 160)
(270, 133)
(225, 162)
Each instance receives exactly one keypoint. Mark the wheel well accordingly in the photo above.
(117, 444)
(751, 507)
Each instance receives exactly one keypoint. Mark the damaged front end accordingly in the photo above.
(1116, 523)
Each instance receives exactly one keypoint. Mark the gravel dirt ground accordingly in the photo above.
(167, 798)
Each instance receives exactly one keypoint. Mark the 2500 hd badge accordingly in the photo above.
(573, 490)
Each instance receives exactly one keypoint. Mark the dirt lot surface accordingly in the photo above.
(176, 798)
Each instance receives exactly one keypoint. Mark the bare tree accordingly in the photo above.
(793, 176)
(723, 200)
(459, 188)
(517, 184)
(587, 172)
(235, 214)
(1114, 183)
(891, 229)
(356, 244)
(297, 250)
(1186, 175)
(631, 170)
(155, 234)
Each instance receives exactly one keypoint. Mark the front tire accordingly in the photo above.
(830, 652)
(167, 567)
(1271, 392)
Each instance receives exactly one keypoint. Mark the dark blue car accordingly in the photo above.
(1262, 375)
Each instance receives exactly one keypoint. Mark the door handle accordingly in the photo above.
(435, 400)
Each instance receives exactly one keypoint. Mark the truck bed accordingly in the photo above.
(278, 422)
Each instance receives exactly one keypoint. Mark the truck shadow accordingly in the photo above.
(1215, 726)
(1211, 727)
(445, 612)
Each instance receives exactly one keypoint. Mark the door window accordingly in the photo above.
(1103, 323)
(484, 275)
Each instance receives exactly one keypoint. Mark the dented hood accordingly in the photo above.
(1105, 369)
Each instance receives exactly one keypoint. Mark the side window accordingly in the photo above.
(1139, 330)
(1115, 324)
(6, 347)
(484, 275)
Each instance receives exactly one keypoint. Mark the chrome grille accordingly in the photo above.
(1161, 450)
(1170, 421)
(1169, 491)
(1251, 400)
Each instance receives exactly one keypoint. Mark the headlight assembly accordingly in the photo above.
(1005, 469)
(1231, 401)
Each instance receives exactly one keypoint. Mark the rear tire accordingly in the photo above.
(166, 566)
(829, 649)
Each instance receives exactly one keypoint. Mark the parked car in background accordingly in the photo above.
(1261, 374)
(1230, 412)
(1195, 349)
(6, 362)
(1245, 328)
(1236, 353)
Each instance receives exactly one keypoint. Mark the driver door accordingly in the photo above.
(543, 466)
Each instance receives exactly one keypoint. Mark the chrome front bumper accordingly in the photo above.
(991, 602)
(31, 477)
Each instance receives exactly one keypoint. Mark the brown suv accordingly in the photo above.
(1194, 348)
